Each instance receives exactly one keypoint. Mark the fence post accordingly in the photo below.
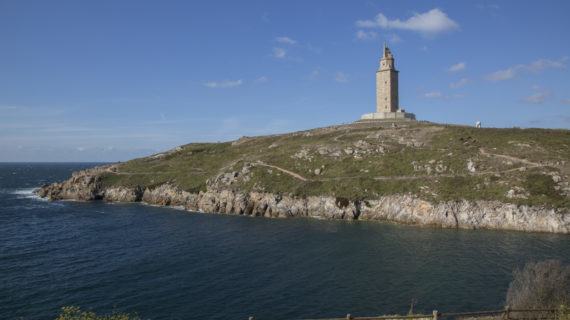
(506, 313)
(434, 314)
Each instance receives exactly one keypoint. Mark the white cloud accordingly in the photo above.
(313, 49)
(431, 22)
(439, 95)
(459, 83)
(491, 6)
(285, 40)
(433, 95)
(542, 64)
(224, 84)
(502, 74)
(533, 67)
(279, 53)
(537, 98)
(262, 79)
(340, 77)
(366, 35)
(371, 35)
(9, 107)
(315, 74)
(457, 67)
(394, 38)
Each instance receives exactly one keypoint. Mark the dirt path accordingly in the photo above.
(291, 173)
(336, 139)
(510, 158)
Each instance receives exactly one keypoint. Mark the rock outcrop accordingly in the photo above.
(79, 187)
(123, 194)
(407, 209)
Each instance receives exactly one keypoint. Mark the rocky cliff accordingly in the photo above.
(407, 209)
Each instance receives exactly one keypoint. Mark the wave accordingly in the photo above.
(27, 191)
(24, 193)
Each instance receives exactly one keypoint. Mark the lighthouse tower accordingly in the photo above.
(387, 83)
(387, 100)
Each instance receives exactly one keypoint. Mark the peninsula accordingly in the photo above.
(386, 166)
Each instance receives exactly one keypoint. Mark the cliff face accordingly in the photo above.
(407, 209)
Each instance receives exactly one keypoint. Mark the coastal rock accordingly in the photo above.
(82, 186)
(261, 204)
(406, 209)
(123, 194)
(208, 202)
(292, 207)
(466, 214)
(331, 208)
(168, 195)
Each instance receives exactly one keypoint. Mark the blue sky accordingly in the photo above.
(112, 80)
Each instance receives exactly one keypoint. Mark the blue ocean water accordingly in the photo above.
(169, 264)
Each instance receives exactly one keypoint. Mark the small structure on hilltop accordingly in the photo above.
(387, 99)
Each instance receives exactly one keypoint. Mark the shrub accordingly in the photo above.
(342, 202)
(540, 184)
(538, 285)
(75, 313)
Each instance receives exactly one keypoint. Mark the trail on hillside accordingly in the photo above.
(529, 164)
(511, 158)
(291, 173)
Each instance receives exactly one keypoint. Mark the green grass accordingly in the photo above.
(191, 166)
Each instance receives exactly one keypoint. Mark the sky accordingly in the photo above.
(112, 80)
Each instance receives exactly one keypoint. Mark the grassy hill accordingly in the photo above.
(369, 160)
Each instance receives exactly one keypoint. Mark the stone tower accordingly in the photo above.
(387, 83)
(387, 100)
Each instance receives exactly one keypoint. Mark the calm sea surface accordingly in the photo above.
(168, 264)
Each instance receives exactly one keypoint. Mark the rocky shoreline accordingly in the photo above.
(405, 209)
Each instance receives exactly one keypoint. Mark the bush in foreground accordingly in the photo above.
(75, 313)
(540, 285)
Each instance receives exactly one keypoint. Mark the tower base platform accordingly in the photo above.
(398, 115)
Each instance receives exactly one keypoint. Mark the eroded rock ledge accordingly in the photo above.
(405, 209)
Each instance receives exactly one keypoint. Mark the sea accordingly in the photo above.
(164, 263)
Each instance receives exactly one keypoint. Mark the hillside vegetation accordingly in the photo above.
(369, 160)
